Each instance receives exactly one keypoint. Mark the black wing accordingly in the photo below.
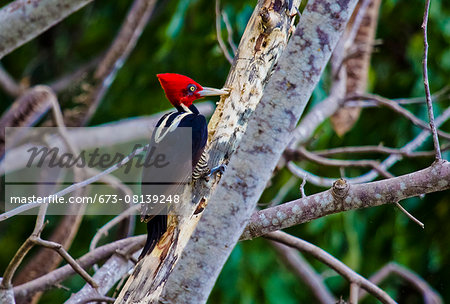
(173, 180)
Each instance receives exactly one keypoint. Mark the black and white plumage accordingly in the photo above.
(181, 91)
(171, 182)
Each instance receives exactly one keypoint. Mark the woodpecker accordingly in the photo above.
(181, 91)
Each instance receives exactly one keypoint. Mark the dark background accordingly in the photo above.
(181, 38)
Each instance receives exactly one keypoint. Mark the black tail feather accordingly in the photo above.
(156, 227)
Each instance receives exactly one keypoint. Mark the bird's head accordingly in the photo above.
(182, 90)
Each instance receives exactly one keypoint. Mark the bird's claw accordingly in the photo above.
(219, 169)
(216, 170)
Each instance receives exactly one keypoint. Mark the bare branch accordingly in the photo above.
(387, 163)
(426, 83)
(400, 110)
(24, 20)
(332, 262)
(301, 152)
(105, 228)
(376, 149)
(301, 268)
(6, 296)
(354, 290)
(222, 45)
(25, 111)
(344, 196)
(230, 31)
(65, 255)
(430, 296)
(113, 270)
(409, 215)
(49, 280)
(130, 31)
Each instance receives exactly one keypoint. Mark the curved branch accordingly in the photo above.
(332, 262)
(51, 279)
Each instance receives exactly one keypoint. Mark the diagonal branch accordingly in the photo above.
(426, 83)
(344, 196)
(430, 296)
(53, 278)
(132, 28)
(332, 262)
(24, 20)
(300, 267)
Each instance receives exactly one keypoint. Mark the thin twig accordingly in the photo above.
(430, 296)
(302, 187)
(105, 228)
(411, 217)
(426, 83)
(442, 94)
(400, 110)
(73, 187)
(373, 174)
(302, 269)
(69, 259)
(62, 273)
(380, 149)
(125, 41)
(354, 290)
(301, 152)
(230, 31)
(332, 262)
(437, 96)
(222, 45)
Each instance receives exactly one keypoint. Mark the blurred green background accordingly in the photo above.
(181, 38)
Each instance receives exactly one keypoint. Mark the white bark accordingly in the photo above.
(6, 295)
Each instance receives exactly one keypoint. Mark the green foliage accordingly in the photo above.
(181, 38)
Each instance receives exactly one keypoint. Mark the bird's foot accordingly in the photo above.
(214, 171)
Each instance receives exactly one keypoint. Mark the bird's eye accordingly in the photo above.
(191, 88)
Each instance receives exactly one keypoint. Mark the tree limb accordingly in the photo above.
(344, 196)
(24, 20)
(332, 262)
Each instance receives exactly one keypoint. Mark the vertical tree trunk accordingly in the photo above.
(261, 45)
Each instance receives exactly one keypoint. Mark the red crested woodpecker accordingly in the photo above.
(181, 91)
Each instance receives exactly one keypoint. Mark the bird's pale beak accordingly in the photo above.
(213, 92)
